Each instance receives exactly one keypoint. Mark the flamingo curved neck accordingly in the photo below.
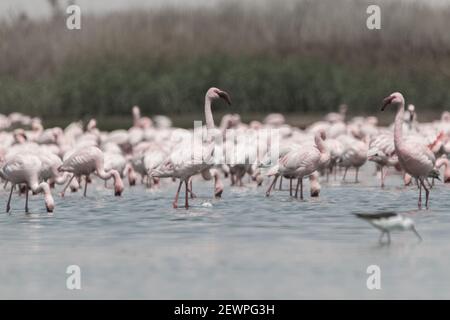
(398, 126)
(208, 114)
(319, 143)
(442, 162)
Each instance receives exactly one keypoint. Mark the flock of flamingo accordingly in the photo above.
(37, 159)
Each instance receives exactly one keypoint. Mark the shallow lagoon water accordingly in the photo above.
(244, 246)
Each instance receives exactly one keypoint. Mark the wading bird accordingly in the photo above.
(24, 169)
(187, 160)
(301, 162)
(87, 161)
(387, 222)
(416, 159)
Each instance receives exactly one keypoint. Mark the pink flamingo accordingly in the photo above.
(24, 169)
(416, 159)
(87, 161)
(184, 162)
(382, 152)
(301, 162)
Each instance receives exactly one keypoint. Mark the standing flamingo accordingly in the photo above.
(382, 152)
(185, 161)
(24, 169)
(301, 162)
(87, 161)
(416, 159)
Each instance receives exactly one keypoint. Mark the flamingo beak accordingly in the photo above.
(386, 102)
(118, 192)
(225, 96)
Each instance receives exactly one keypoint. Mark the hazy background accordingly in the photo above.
(300, 57)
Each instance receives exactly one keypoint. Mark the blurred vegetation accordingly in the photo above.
(300, 57)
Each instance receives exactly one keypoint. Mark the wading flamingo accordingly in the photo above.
(301, 162)
(24, 169)
(86, 161)
(185, 161)
(416, 159)
(382, 152)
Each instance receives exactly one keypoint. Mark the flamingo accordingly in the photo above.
(25, 169)
(301, 162)
(416, 159)
(382, 152)
(185, 161)
(87, 161)
(354, 155)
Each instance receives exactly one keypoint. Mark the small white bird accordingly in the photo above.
(389, 221)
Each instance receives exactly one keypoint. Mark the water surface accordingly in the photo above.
(245, 246)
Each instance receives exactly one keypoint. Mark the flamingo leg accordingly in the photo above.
(280, 186)
(186, 197)
(301, 188)
(232, 179)
(271, 186)
(419, 204)
(385, 175)
(296, 188)
(382, 176)
(85, 186)
(67, 185)
(26, 199)
(175, 201)
(8, 204)
(190, 189)
(290, 187)
(427, 193)
(356, 175)
(335, 172)
(345, 174)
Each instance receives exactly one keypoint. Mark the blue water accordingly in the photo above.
(243, 246)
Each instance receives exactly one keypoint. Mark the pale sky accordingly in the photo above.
(40, 8)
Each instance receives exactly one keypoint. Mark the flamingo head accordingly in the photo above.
(215, 93)
(136, 111)
(118, 187)
(49, 203)
(395, 98)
